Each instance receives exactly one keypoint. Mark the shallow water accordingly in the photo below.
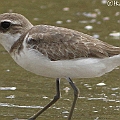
(23, 93)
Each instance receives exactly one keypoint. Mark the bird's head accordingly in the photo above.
(12, 26)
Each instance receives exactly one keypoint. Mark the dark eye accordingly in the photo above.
(5, 24)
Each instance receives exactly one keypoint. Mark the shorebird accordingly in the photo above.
(56, 52)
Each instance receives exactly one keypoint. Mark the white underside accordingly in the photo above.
(77, 68)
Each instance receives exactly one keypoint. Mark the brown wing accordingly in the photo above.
(61, 43)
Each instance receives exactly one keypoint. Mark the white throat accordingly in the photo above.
(7, 39)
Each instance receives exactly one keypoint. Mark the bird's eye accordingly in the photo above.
(5, 24)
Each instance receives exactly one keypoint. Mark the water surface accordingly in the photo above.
(23, 93)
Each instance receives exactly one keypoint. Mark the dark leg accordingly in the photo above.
(76, 93)
(56, 97)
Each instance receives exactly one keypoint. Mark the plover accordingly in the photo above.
(56, 52)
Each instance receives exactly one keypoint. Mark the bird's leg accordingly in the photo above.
(56, 97)
(76, 93)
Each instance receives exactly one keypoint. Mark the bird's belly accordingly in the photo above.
(78, 68)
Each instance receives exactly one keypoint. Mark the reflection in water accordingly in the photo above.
(96, 98)
(10, 96)
(101, 84)
(97, 101)
(7, 88)
(18, 106)
(115, 35)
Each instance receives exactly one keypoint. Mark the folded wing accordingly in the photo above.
(59, 43)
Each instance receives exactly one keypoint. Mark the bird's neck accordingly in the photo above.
(8, 40)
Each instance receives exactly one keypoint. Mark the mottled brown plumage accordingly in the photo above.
(59, 43)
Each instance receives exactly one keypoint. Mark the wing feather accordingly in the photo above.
(61, 43)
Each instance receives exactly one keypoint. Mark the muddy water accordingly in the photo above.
(23, 93)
